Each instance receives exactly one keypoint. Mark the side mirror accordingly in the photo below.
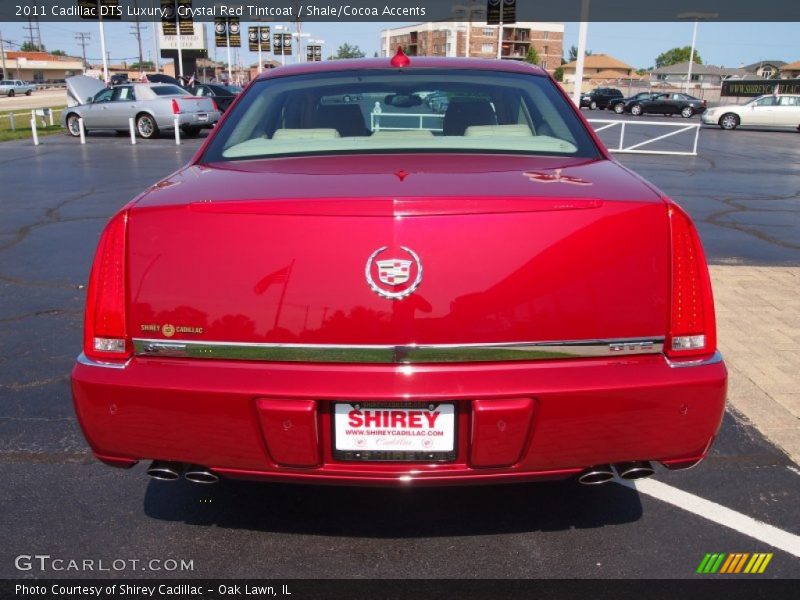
(90, 99)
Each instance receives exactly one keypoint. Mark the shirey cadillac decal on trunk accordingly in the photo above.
(393, 273)
(555, 177)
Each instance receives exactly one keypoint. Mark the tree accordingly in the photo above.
(31, 47)
(677, 55)
(573, 53)
(58, 53)
(558, 74)
(348, 51)
(532, 57)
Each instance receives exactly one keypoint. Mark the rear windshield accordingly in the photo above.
(167, 90)
(394, 110)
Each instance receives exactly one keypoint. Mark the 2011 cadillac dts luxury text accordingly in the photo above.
(401, 271)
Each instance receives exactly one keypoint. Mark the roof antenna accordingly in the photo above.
(400, 59)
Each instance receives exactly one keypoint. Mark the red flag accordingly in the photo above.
(279, 276)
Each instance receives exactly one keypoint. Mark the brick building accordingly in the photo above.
(452, 38)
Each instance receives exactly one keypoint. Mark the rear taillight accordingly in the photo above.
(105, 336)
(692, 330)
(176, 110)
(214, 105)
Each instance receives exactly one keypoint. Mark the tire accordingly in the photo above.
(637, 110)
(593, 105)
(10, 93)
(146, 126)
(190, 130)
(73, 126)
(28, 93)
(729, 121)
(619, 108)
(687, 112)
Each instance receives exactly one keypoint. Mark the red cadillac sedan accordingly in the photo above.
(401, 271)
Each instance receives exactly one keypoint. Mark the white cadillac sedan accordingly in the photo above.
(778, 110)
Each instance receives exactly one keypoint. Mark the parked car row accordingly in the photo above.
(772, 110)
(669, 103)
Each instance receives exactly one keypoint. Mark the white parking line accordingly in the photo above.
(777, 538)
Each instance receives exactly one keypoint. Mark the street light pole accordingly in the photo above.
(228, 44)
(691, 56)
(103, 48)
(155, 41)
(583, 30)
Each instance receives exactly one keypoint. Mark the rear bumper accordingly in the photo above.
(582, 412)
(192, 119)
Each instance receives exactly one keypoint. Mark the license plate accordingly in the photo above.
(202, 117)
(401, 431)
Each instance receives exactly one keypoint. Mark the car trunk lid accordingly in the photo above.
(574, 255)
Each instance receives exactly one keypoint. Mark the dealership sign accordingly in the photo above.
(196, 40)
(258, 39)
(760, 87)
(227, 32)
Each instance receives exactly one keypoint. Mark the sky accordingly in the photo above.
(638, 44)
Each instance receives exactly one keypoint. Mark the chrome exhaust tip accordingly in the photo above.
(637, 469)
(164, 470)
(596, 475)
(200, 474)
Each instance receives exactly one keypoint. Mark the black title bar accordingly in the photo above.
(422, 10)
(699, 588)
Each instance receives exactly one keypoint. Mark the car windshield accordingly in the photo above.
(167, 90)
(393, 110)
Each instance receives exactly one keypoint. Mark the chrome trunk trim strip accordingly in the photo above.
(404, 354)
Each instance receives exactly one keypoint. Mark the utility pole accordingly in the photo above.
(3, 55)
(34, 34)
(136, 31)
(83, 37)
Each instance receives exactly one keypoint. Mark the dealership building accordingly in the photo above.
(39, 67)
(479, 40)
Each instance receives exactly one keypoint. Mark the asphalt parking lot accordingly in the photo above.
(744, 192)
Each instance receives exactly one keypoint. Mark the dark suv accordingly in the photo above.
(600, 97)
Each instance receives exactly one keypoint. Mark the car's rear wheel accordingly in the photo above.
(729, 121)
(28, 93)
(73, 125)
(593, 105)
(619, 108)
(10, 93)
(687, 112)
(636, 110)
(146, 126)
